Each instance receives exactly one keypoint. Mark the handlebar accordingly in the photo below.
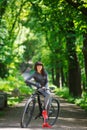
(37, 85)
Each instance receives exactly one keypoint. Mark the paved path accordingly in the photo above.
(71, 118)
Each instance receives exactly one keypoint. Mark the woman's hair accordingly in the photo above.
(40, 63)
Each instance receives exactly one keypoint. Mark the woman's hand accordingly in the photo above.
(44, 88)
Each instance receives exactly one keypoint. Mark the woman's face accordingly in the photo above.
(39, 68)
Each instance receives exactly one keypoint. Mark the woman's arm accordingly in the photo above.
(30, 77)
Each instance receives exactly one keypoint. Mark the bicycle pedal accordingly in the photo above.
(39, 115)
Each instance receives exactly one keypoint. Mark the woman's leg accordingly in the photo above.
(47, 97)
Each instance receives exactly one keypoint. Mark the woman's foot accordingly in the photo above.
(45, 116)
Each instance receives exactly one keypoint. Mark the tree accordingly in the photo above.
(74, 68)
(85, 52)
(81, 7)
(46, 30)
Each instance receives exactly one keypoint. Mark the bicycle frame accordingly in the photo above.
(53, 111)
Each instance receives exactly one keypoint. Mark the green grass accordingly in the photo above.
(64, 93)
(1, 113)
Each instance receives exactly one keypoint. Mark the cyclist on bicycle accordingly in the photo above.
(41, 78)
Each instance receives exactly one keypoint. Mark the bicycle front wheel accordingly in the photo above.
(28, 113)
(53, 111)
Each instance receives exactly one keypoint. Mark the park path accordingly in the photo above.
(71, 117)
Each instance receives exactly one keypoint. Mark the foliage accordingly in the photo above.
(14, 100)
(1, 113)
(64, 93)
(12, 82)
(37, 30)
(82, 102)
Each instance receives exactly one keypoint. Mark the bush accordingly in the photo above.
(82, 102)
(64, 93)
(12, 83)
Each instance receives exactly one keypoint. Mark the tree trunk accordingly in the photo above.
(57, 78)
(53, 79)
(85, 53)
(74, 73)
(74, 76)
(62, 77)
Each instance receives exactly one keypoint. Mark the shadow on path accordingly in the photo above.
(71, 117)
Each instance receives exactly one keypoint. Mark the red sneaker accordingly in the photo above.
(45, 116)
(46, 125)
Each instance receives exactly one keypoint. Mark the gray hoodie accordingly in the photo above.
(39, 78)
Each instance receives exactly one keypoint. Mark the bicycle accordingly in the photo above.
(29, 109)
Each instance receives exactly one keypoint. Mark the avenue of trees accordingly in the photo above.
(53, 31)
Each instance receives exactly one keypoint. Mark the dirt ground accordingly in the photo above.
(71, 117)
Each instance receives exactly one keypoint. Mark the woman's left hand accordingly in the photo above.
(43, 88)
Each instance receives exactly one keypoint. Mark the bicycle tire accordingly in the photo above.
(28, 113)
(53, 111)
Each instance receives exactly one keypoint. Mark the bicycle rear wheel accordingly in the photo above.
(53, 112)
(28, 113)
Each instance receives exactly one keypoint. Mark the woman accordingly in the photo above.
(41, 79)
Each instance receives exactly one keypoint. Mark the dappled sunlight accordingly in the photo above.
(71, 117)
(69, 110)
